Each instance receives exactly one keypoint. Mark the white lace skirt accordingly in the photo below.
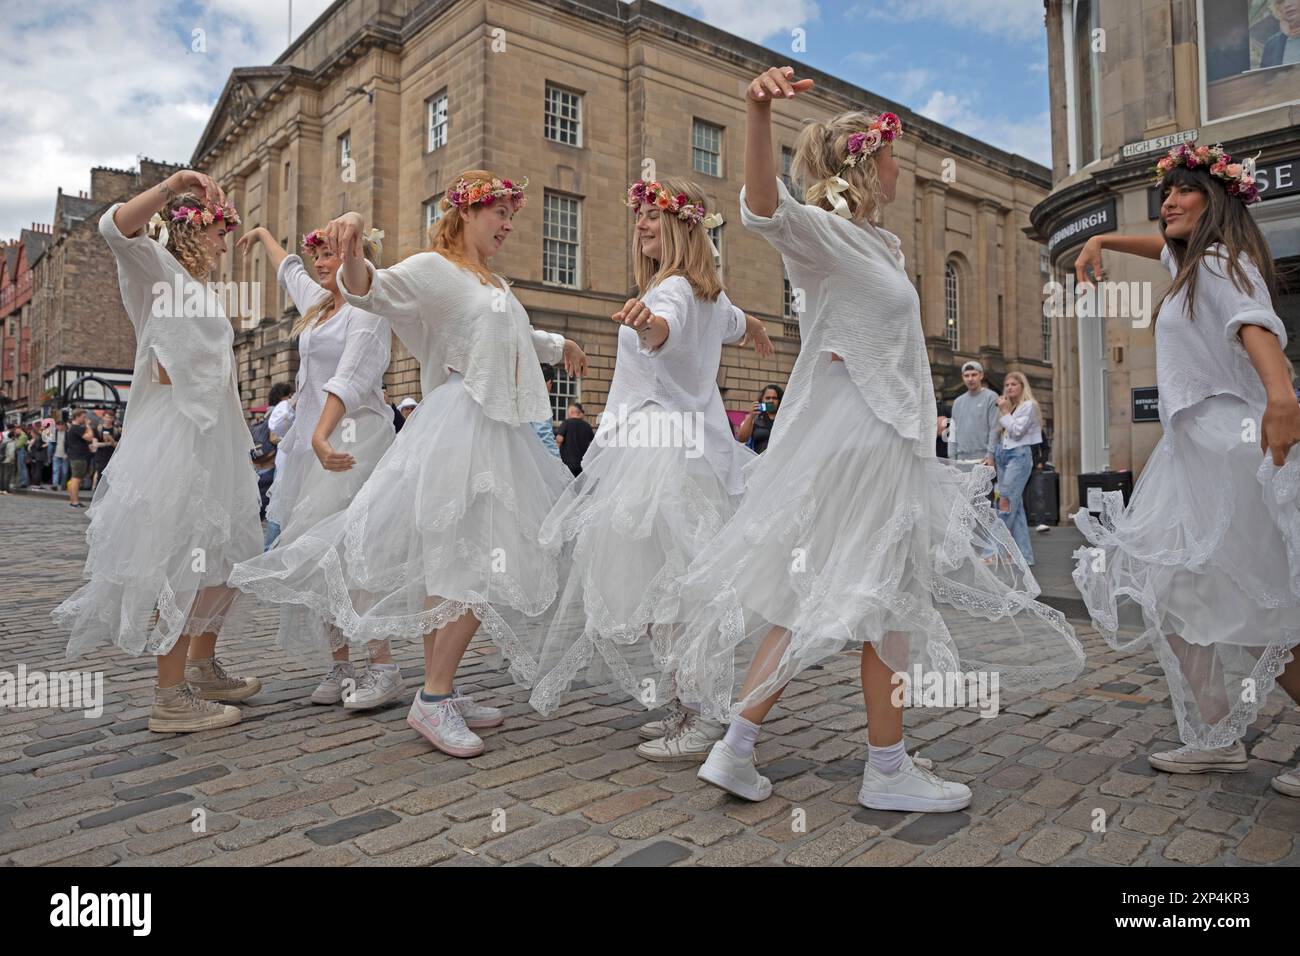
(628, 528)
(1204, 567)
(847, 537)
(303, 495)
(172, 513)
(446, 524)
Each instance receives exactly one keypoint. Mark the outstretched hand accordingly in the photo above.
(777, 82)
(343, 236)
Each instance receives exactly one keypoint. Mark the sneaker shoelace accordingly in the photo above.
(220, 674)
(677, 725)
(338, 672)
(191, 701)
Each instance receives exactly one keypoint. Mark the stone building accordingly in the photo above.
(379, 104)
(1129, 80)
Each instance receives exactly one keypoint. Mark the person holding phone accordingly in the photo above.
(756, 429)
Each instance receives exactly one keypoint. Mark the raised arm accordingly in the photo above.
(344, 238)
(274, 251)
(1147, 246)
(133, 214)
(760, 164)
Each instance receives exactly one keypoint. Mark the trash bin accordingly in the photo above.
(1096, 482)
(1043, 497)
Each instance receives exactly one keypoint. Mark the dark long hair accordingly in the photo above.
(1225, 220)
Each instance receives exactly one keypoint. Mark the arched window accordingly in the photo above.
(951, 304)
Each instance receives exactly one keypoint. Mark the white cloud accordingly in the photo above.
(1014, 20)
(1030, 136)
(92, 84)
(753, 21)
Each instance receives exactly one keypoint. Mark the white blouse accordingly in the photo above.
(682, 374)
(859, 304)
(346, 355)
(179, 324)
(452, 322)
(1202, 356)
(1021, 427)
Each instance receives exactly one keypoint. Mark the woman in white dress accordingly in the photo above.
(660, 478)
(443, 535)
(851, 532)
(178, 504)
(340, 430)
(1203, 566)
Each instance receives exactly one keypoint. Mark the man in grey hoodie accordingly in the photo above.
(974, 422)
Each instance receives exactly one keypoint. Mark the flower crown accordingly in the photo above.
(315, 240)
(884, 129)
(471, 192)
(1239, 181)
(679, 205)
(206, 215)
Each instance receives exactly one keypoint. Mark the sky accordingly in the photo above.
(89, 83)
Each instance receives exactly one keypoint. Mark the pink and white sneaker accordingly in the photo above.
(442, 725)
(477, 716)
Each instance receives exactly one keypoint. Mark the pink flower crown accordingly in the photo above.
(472, 192)
(207, 215)
(1215, 160)
(884, 129)
(641, 192)
(313, 241)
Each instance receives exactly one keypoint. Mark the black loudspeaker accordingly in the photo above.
(1043, 497)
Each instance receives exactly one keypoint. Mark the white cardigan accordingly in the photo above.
(452, 322)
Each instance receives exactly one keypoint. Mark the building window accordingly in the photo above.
(435, 108)
(563, 117)
(560, 239)
(706, 143)
(432, 212)
(345, 148)
(951, 305)
(1047, 335)
(787, 164)
(1044, 263)
(285, 184)
(566, 391)
(1082, 84)
(790, 318)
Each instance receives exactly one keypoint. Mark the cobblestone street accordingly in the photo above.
(298, 784)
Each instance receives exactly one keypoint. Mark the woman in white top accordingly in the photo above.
(340, 430)
(1014, 456)
(178, 504)
(851, 532)
(661, 476)
(1206, 557)
(443, 535)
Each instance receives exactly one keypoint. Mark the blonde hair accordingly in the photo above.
(185, 239)
(683, 249)
(1026, 393)
(447, 235)
(313, 315)
(819, 154)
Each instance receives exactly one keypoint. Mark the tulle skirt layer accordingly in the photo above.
(172, 513)
(847, 537)
(447, 524)
(626, 529)
(1203, 566)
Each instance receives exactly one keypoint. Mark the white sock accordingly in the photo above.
(887, 760)
(741, 736)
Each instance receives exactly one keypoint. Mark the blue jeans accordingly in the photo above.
(60, 477)
(272, 532)
(1015, 465)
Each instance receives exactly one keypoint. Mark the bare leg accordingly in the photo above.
(1203, 672)
(378, 652)
(760, 669)
(171, 666)
(1289, 679)
(443, 650)
(884, 720)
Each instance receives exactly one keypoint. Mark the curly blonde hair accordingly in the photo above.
(185, 239)
(819, 154)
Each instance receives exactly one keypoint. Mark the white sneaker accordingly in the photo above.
(477, 716)
(1190, 760)
(735, 774)
(442, 725)
(330, 690)
(1288, 782)
(912, 788)
(1042, 528)
(657, 728)
(375, 687)
(688, 737)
